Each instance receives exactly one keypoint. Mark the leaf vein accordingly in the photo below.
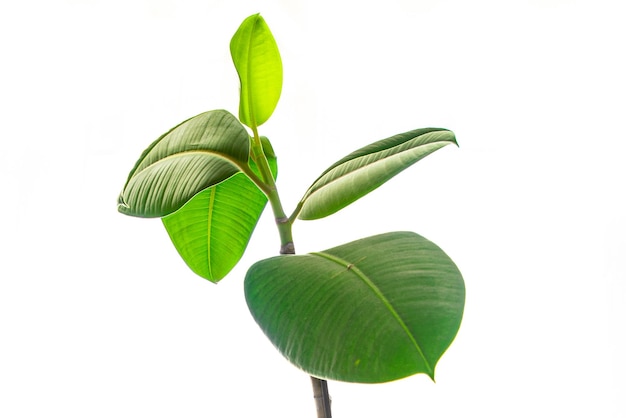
(352, 267)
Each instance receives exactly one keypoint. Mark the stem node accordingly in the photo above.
(288, 248)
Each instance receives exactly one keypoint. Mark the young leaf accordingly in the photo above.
(374, 310)
(364, 170)
(199, 153)
(212, 230)
(257, 60)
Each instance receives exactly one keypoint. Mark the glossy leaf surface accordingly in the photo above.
(212, 230)
(258, 63)
(374, 310)
(199, 153)
(364, 170)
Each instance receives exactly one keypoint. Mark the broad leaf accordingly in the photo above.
(364, 170)
(212, 230)
(199, 153)
(374, 310)
(257, 60)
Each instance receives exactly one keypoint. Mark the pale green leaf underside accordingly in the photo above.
(367, 168)
(258, 63)
(212, 230)
(374, 310)
(199, 153)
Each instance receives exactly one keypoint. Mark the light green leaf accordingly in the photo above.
(212, 230)
(364, 170)
(199, 153)
(258, 63)
(374, 310)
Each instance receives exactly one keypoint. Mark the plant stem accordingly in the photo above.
(320, 386)
(322, 397)
(282, 222)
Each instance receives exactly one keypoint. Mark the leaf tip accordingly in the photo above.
(454, 140)
(452, 136)
(431, 374)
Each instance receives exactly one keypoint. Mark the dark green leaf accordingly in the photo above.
(374, 310)
(258, 63)
(364, 170)
(199, 153)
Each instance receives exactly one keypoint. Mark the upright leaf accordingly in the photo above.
(196, 154)
(212, 230)
(366, 169)
(374, 310)
(257, 60)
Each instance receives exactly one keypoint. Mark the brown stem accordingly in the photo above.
(322, 397)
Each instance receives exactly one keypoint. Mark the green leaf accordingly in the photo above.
(364, 170)
(199, 153)
(374, 310)
(212, 230)
(257, 60)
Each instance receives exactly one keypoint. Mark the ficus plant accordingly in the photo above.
(373, 310)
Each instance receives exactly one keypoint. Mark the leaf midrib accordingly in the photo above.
(211, 206)
(223, 156)
(359, 273)
(249, 77)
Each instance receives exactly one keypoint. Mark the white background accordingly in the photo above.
(100, 318)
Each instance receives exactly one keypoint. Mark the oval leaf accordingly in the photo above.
(198, 153)
(374, 310)
(258, 63)
(212, 230)
(366, 169)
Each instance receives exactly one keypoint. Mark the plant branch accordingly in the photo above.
(282, 222)
(296, 212)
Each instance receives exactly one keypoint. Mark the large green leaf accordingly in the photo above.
(199, 153)
(257, 60)
(374, 310)
(212, 230)
(364, 170)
